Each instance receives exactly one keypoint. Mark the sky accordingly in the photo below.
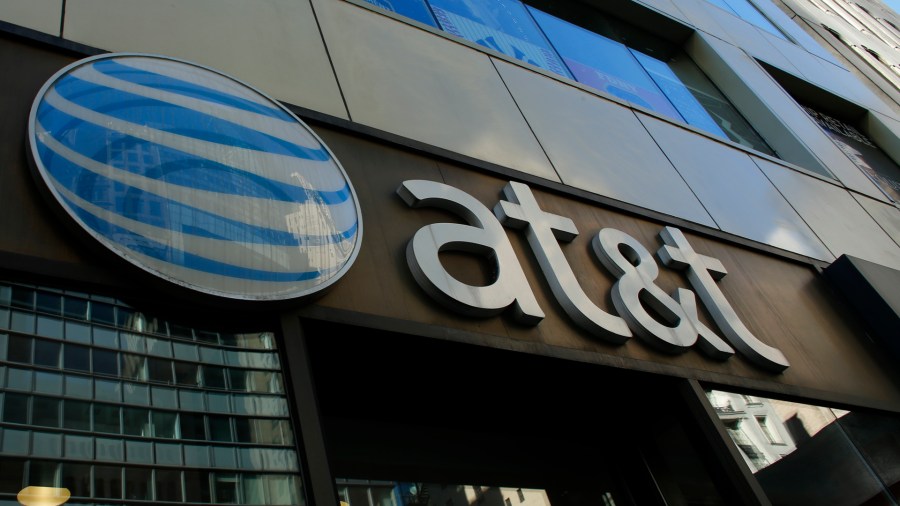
(893, 4)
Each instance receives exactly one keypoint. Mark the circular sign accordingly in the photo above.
(195, 177)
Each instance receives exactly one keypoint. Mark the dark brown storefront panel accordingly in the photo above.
(786, 304)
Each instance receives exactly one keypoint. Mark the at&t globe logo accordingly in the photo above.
(195, 177)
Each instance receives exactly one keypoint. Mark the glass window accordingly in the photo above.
(77, 478)
(187, 374)
(137, 483)
(106, 418)
(79, 447)
(243, 430)
(15, 442)
(42, 473)
(139, 452)
(224, 457)
(287, 433)
(15, 408)
(4, 322)
(19, 349)
(862, 151)
(76, 414)
(225, 488)
(46, 353)
(168, 485)
(105, 337)
(229, 339)
(128, 319)
(413, 9)
(79, 386)
(50, 327)
(78, 332)
(110, 449)
(187, 333)
(186, 351)
(107, 390)
(213, 377)
(261, 381)
(605, 64)
(163, 424)
(211, 355)
(105, 362)
(261, 341)
(749, 13)
(219, 402)
(192, 426)
(22, 297)
(13, 475)
(284, 489)
(268, 431)
(133, 367)
(159, 347)
(191, 400)
(18, 379)
(75, 308)
(168, 454)
(164, 397)
(76, 358)
(196, 456)
(253, 486)
(45, 444)
(132, 342)
(48, 382)
(22, 322)
(699, 101)
(220, 428)
(103, 313)
(237, 379)
(159, 370)
(108, 482)
(45, 412)
(196, 486)
(791, 446)
(137, 394)
(501, 25)
(137, 421)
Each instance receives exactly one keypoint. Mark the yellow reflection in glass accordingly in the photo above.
(43, 496)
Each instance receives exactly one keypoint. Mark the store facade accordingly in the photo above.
(547, 290)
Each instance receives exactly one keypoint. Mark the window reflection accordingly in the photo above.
(806, 454)
(111, 354)
(749, 13)
(390, 493)
(601, 52)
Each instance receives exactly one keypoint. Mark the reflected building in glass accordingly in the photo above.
(114, 404)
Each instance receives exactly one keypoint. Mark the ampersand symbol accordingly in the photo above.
(675, 327)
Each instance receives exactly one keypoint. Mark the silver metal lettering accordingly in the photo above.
(543, 231)
(484, 235)
(637, 271)
(702, 273)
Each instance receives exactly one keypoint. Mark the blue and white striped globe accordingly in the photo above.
(195, 177)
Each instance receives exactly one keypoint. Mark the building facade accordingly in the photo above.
(445, 253)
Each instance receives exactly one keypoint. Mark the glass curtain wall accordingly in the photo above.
(807, 454)
(603, 53)
(115, 404)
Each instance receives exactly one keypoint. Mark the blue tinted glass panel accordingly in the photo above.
(679, 94)
(722, 4)
(502, 25)
(604, 64)
(415, 9)
(748, 12)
